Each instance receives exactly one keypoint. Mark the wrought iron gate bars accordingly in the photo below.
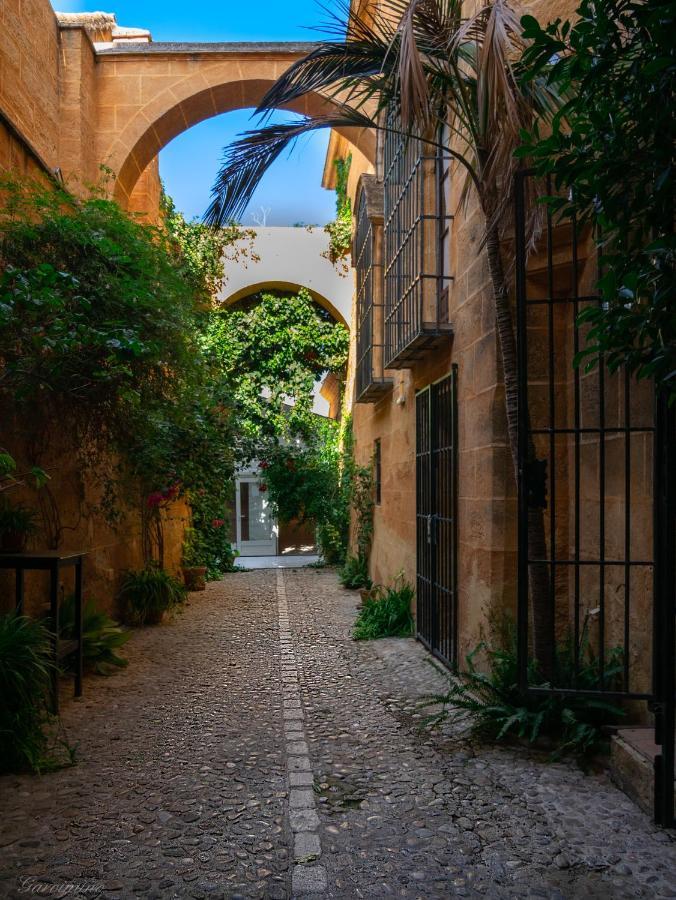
(664, 667)
(436, 517)
(662, 697)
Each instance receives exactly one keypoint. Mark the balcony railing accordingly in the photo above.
(371, 382)
(417, 248)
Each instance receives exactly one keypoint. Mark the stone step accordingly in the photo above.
(632, 759)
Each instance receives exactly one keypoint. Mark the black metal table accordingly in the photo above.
(53, 561)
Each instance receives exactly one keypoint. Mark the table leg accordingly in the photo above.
(79, 664)
(19, 591)
(54, 610)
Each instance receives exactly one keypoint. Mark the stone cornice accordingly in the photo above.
(133, 50)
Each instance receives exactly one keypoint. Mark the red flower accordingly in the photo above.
(263, 465)
(154, 499)
(262, 488)
(217, 523)
(172, 492)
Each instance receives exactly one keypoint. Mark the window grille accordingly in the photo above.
(371, 383)
(417, 247)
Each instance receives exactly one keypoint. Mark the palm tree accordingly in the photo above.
(434, 67)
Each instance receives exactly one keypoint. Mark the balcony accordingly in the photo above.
(417, 228)
(371, 383)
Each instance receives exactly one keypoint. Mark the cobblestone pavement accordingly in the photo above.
(252, 749)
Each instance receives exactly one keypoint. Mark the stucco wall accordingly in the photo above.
(286, 259)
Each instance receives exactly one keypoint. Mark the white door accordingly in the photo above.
(256, 526)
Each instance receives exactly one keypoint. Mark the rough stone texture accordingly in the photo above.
(29, 75)
(406, 813)
(181, 786)
(181, 789)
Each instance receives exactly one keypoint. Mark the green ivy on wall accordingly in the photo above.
(340, 230)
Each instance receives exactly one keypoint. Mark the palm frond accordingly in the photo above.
(248, 159)
(414, 94)
(329, 69)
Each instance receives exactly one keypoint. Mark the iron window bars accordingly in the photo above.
(593, 446)
(437, 518)
(416, 238)
(371, 383)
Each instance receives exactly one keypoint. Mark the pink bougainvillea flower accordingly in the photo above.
(217, 523)
(173, 491)
(154, 499)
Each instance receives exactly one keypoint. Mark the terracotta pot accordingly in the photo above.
(195, 577)
(13, 541)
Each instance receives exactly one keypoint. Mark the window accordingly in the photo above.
(377, 471)
(370, 380)
(417, 233)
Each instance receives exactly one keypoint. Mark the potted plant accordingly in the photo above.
(17, 523)
(148, 594)
(194, 572)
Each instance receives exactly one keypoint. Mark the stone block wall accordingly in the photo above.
(29, 83)
(48, 121)
(487, 496)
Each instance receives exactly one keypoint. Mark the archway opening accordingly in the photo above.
(291, 193)
(186, 103)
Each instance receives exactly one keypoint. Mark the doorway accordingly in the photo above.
(256, 525)
(436, 517)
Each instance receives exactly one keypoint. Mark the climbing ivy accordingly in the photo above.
(103, 325)
(272, 350)
(340, 230)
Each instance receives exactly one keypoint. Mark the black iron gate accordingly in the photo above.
(596, 502)
(436, 517)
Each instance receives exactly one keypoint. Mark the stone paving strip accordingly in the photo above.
(308, 876)
(252, 749)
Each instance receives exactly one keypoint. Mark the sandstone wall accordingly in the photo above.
(29, 84)
(48, 120)
(486, 501)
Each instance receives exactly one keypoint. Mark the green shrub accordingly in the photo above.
(25, 672)
(386, 613)
(101, 636)
(498, 711)
(148, 594)
(354, 574)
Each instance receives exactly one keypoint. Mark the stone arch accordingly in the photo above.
(287, 258)
(291, 287)
(182, 93)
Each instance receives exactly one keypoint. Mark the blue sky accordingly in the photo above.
(291, 192)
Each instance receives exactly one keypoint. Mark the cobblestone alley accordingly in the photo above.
(252, 749)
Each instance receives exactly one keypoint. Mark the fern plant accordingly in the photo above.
(496, 710)
(102, 636)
